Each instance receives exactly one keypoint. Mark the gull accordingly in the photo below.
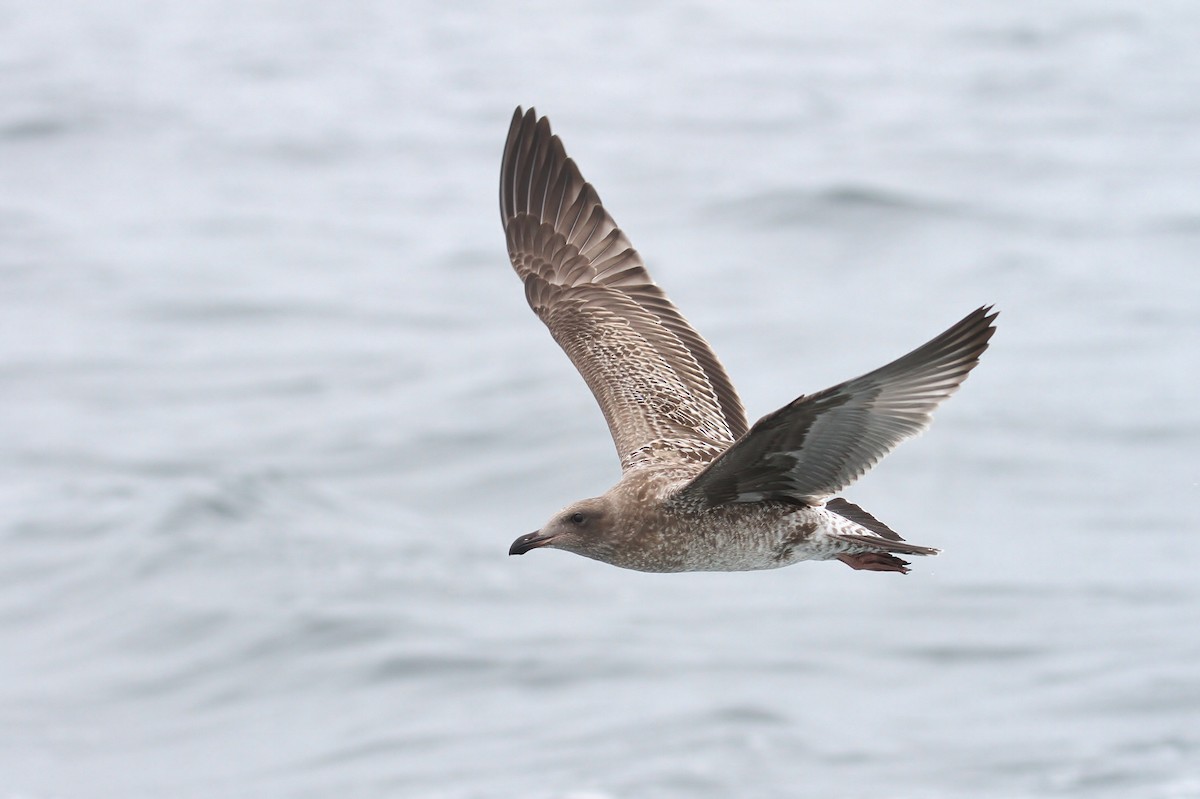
(701, 489)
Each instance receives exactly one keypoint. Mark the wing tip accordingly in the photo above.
(521, 142)
(983, 320)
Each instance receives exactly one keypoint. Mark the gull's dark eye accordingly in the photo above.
(576, 518)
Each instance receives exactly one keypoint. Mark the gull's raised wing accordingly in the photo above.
(662, 390)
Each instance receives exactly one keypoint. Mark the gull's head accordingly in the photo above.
(583, 527)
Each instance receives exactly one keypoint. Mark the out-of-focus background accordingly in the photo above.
(272, 406)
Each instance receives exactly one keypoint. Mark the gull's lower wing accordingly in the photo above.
(818, 444)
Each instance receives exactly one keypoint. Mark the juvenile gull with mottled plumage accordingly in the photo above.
(701, 490)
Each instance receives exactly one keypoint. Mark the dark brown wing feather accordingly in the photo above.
(655, 378)
(848, 510)
(819, 444)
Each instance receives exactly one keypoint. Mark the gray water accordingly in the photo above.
(272, 406)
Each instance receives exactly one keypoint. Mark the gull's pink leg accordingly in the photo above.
(875, 562)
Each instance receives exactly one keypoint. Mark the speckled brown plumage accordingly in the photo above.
(700, 489)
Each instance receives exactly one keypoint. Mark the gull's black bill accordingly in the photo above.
(529, 541)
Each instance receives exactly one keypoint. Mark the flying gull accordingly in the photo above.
(701, 490)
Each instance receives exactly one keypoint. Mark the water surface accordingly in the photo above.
(272, 406)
